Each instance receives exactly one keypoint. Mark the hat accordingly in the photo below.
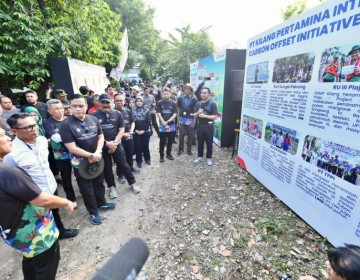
(136, 88)
(354, 48)
(89, 170)
(189, 86)
(139, 97)
(104, 97)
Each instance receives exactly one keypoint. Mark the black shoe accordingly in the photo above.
(68, 233)
(135, 170)
(162, 159)
(189, 153)
(180, 152)
(170, 157)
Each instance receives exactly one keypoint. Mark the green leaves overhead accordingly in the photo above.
(33, 31)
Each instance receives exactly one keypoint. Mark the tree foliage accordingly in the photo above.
(33, 31)
(295, 9)
(178, 54)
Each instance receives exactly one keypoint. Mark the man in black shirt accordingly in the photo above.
(206, 114)
(32, 100)
(83, 137)
(186, 105)
(167, 112)
(112, 125)
(127, 140)
(61, 154)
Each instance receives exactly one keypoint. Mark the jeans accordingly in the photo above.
(190, 132)
(65, 168)
(142, 147)
(169, 136)
(119, 158)
(42, 266)
(92, 191)
(205, 134)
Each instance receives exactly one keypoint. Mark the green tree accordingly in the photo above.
(295, 9)
(33, 31)
(178, 54)
(144, 39)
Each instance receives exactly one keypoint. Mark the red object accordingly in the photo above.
(241, 162)
(212, 75)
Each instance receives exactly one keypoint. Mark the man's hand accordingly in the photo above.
(112, 145)
(69, 206)
(96, 157)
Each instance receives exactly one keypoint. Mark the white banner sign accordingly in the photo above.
(300, 122)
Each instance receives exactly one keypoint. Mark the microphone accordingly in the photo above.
(126, 263)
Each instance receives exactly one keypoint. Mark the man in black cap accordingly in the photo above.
(112, 125)
(83, 137)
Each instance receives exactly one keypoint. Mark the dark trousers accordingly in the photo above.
(128, 146)
(205, 134)
(65, 168)
(52, 163)
(56, 215)
(119, 158)
(190, 132)
(142, 147)
(166, 138)
(43, 266)
(92, 191)
(154, 123)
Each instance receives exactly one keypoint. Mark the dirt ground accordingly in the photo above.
(200, 222)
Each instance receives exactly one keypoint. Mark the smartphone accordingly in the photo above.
(207, 78)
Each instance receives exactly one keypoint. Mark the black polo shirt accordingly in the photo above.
(110, 123)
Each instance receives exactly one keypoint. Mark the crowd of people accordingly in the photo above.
(46, 144)
(43, 144)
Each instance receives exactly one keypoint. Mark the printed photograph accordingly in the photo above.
(294, 69)
(340, 64)
(257, 73)
(282, 137)
(339, 160)
(252, 126)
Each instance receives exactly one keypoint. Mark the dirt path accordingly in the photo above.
(199, 222)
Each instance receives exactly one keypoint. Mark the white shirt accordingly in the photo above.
(33, 159)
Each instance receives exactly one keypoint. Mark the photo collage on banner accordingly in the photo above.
(300, 118)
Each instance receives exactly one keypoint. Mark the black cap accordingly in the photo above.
(104, 97)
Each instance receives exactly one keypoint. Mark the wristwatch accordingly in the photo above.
(91, 156)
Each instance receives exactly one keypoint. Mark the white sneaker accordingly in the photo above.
(198, 159)
(113, 193)
(209, 161)
(75, 204)
(135, 188)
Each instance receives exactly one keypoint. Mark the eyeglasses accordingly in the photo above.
(85, 127)
(29, 128)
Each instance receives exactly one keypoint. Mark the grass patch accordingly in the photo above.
(241, 242)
